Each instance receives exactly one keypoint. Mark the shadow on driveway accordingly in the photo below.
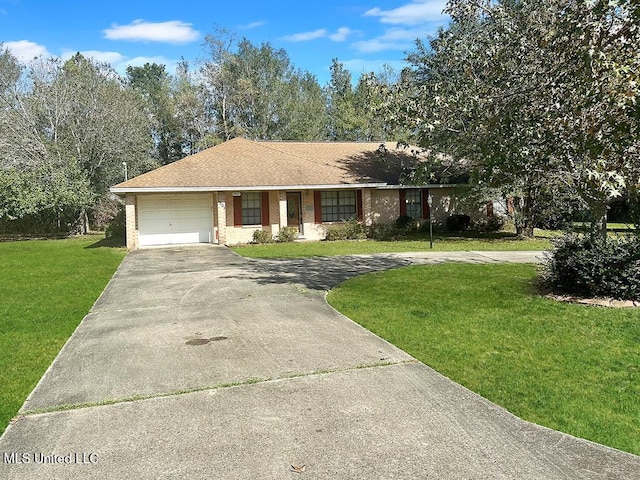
(322, 273)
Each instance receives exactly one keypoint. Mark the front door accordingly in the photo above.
(294, 210)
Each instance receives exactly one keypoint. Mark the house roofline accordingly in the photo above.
(426, 185)
(262, 188)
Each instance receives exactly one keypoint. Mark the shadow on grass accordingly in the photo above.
(113, 242)
(445, 235)
(19, 237)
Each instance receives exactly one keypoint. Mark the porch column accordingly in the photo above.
(221, 217)
(367, 208)
(283, 209)
(131, 223)
(274, 211)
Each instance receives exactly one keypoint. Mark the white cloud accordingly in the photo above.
(120, 62)
(306, 36)
(106, 57)
(141, 60)
(392, 39)
(252, 25)
(414, 13)
(25, 51)
(173, 31)
(358, 66)
(341, 34)
(378, 45)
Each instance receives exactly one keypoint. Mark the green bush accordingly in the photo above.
(104, 213)
(117, 226)
(262, 236)
(382, 231)
(458, 223)
(287, 235)
(492, 223)
(350, 230)
(594, 267)
(405, 222)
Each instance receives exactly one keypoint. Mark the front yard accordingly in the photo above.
(568, 367)
(47, 287)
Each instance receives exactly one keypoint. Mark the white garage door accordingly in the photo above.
(174, 219)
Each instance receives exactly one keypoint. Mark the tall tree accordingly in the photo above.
(354, 112)
(103, 124)
(79, 122)
(219, 46)
(345, 121)
(304, 109)
(37, 181)
(154, 84)
(18, 134)
(193, 111)
(257, 93)
(533, 92)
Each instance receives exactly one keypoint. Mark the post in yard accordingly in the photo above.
(430, 203)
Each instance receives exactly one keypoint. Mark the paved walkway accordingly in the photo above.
(324, 273)
(196, 363)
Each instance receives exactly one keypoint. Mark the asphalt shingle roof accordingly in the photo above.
(245, 163)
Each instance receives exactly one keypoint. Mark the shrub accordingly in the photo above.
(117, 227)
(492, 223)
(287, 235)
(262, 236)
(105, 212)
(458, 223)
(594, 267)
(382, 231)
(350, 230)
(404, 222)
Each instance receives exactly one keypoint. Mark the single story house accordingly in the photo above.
(226, 192)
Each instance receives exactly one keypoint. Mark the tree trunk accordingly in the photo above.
(82, 224)
(598, 219)
(522, 216)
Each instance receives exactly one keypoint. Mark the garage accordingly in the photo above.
(169, 219)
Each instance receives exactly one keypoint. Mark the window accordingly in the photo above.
(251, 212)
(338, 205)
(414, 203)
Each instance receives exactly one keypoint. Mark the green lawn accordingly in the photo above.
(47, 287)
(414, 243)
(569, 367)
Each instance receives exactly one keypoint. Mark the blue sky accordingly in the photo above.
(362, 34)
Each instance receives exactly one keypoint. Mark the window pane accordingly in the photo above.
(414, 203)
(329, 198)
(251, 212)
(349, 196)
(338, 205)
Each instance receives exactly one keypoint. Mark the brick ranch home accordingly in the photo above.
(226, 192)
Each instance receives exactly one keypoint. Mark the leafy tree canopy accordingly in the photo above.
(532, 92)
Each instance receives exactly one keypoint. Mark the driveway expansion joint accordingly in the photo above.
(241, 383)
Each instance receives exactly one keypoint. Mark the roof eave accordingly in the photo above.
(252, 188)
(425, 185)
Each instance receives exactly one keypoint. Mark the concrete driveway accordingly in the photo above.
(196, 363)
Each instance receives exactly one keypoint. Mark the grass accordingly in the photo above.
(618, 227)
(569, 367)
(47, 287)
(414, 243)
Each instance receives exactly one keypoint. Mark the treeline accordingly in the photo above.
(536, 100)
(66, 127)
